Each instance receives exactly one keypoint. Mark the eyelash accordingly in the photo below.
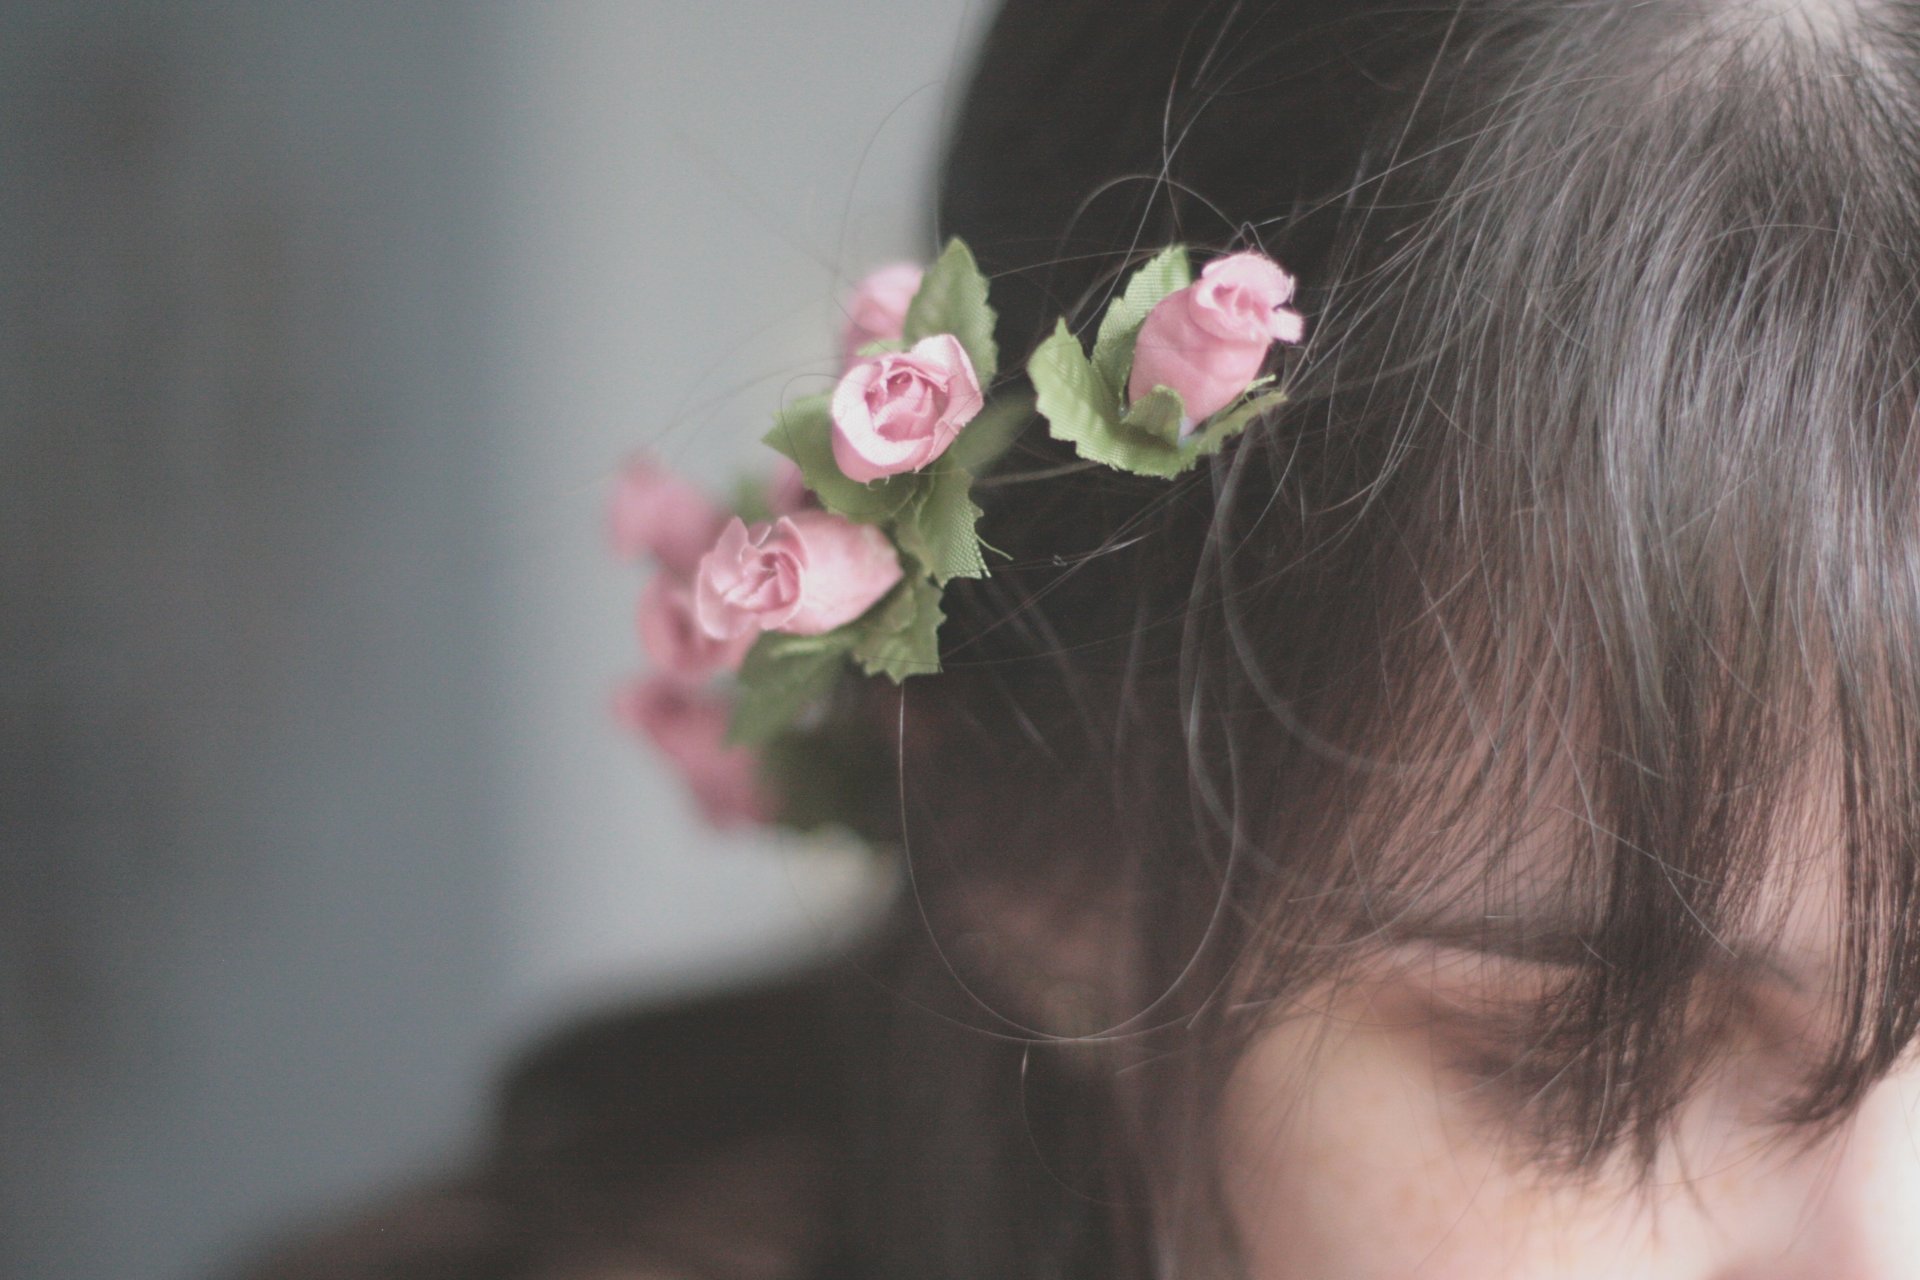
(1490, 1055)
(1501, 1065)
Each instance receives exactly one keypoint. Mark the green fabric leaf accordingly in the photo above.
(1157, 414)
(804, 432)
(1078, 409)
(1072, 398)
(900, 638)
(1168, 272)
(879, 348)
(782, 676)
(937, 527)
(953, 299)
(1231, 421)
(992, 431)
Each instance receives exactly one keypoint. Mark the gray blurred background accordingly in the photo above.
(321, 330)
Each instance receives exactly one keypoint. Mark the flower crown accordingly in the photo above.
(754, 612)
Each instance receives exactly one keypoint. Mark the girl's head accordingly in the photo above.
(1473, 828)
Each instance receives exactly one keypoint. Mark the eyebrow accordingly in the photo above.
(1563, 941)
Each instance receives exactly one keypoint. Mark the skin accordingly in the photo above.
(1368, 1138)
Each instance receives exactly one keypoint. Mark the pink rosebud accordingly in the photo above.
(877, 309)
(656, 513)
(803, 574)
(1208, 340)
(900, 411)
(672, 637)
(689, 728)
(787, 490)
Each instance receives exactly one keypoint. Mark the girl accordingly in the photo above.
(1468, 828)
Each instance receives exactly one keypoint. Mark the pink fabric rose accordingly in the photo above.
(1208, 340)
(877, 309)
(900, 411)
(803, 574)
(689, 728)
(656, 513)
(672, 636)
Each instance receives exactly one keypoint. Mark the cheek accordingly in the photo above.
(1349, 1158)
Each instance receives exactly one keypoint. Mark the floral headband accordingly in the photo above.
(753, 612)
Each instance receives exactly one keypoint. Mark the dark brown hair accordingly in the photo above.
(1580, 569)
(1580, 573)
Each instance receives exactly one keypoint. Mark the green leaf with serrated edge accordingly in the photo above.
(937, 527)
(1161, 413)
(992, 431)
(1071, 397)
(1120, 327)
(1145, 456)
(1209, 439)
(804, 433)
(1073, 400)
(953, 299)
(781, 677)
(1157, 414)
(901, 637)
(1231, 421)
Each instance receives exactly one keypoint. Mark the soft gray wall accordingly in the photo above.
(320, 329)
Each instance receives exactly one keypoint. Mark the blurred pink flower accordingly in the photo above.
(877, 308)
(671, 635)
(656, 513)
(688, 726)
